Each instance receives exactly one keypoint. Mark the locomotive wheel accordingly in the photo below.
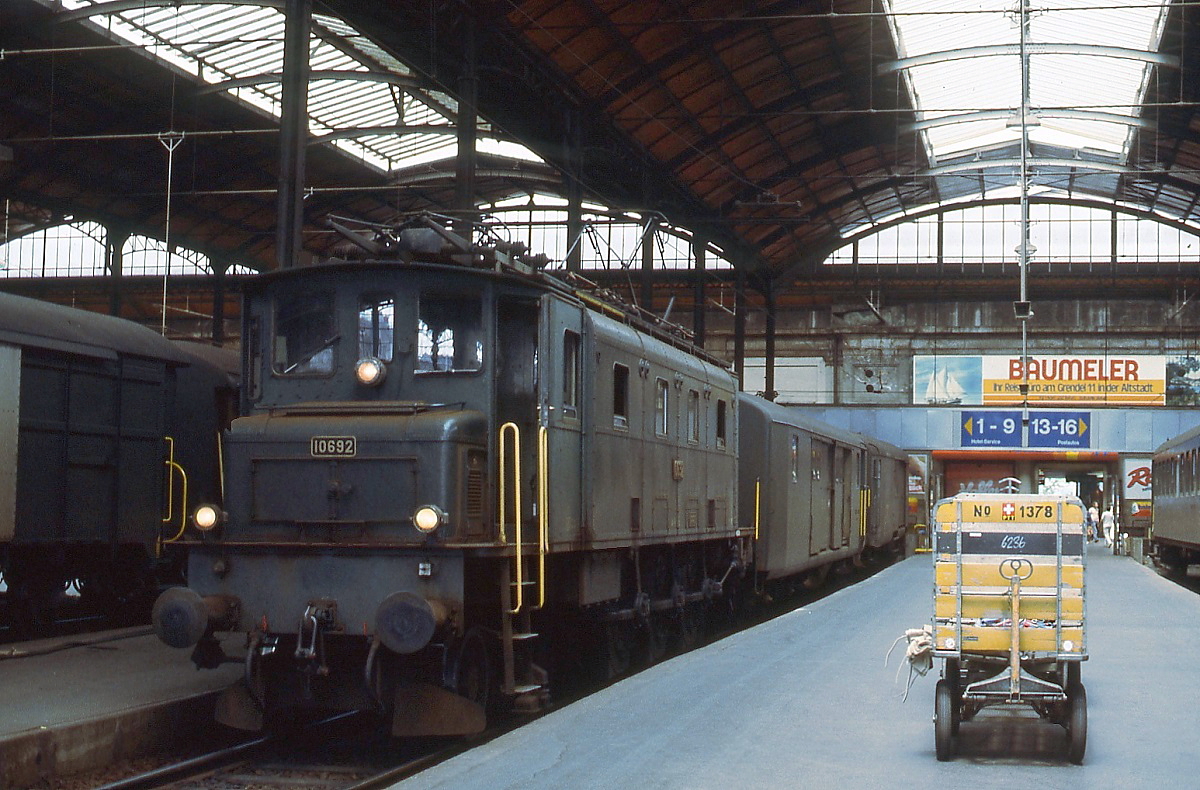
(944, 703)
(473, 669)
(616, 640)
(654, 639)
(691, 625)
(1076, 723)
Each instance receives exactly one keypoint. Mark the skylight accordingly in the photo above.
(1089, 66)
(382, 115)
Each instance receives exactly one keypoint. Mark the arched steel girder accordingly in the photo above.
(118, 6)
(994, 50)
(314, 76)
(992, 115)
(1100, 205)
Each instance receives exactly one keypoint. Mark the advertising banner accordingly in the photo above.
(995, 380)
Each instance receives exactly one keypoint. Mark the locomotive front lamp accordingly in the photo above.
(370, 371)
(207, 517)
(427, 518)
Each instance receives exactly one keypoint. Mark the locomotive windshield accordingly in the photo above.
(376, 319)
(449, 334)
(305, 335)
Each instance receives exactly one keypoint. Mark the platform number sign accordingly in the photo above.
(991, 429)
(1060, 429)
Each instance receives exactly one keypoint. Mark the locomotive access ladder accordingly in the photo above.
(517, 635)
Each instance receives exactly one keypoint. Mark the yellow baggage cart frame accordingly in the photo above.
(1010, 610)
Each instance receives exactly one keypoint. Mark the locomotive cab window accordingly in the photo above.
(570, 396)
(693, 416)
(620, 396)
(449, 334)
(721, 435)
(662, 394)
(305, 335)
(376, 321)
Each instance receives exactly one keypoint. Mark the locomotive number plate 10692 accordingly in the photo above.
(332, 446)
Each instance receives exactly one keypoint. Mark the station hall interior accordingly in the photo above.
(968, 230)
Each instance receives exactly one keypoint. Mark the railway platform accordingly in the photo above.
(72, 704)
(805, 701)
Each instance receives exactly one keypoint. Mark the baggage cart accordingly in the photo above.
(1010, 611)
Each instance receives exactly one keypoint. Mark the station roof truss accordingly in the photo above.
(776, 130)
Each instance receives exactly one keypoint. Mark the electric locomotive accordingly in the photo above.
(439, 456)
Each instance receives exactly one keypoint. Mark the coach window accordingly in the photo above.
(662, 392)
(376, 315)
(620, 396)
(721, 424)
(305, 335)
(570, 373)
(449, 334)
(693, 416)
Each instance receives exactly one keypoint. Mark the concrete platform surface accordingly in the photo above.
(805, 701)
(53, 682)
(79, 703)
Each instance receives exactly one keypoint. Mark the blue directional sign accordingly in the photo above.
(1060, 429)
(991, 429)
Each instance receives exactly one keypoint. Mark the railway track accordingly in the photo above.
(332, 754)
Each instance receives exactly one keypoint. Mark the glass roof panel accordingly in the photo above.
(963, 83)
(221, 42)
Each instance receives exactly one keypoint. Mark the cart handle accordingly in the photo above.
(1014, 568)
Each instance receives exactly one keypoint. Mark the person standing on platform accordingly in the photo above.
(1108, 524)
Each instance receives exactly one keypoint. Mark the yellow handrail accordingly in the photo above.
(543, 511)
(757, 503)
(173, 467)
(170, 459)
(506, 429)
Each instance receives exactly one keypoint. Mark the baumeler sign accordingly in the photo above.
(996, 380)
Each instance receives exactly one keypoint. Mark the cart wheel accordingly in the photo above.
(944, 703)
(1076, 723)
(954, 677)
(1073, 670)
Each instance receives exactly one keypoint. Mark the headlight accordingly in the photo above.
(427, 518)
(370, 371)
(1068, 645)
(207, 517)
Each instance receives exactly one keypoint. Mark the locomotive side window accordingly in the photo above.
(570, 373)
(620, 396)
(721, 435)
(693, 416)
(662, 392)
(305, 335)
(376, 317)
(449, 334)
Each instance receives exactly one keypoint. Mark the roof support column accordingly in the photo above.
(769, 388)
(218, 304)
(464, 163)
(293, 132)
(574, 192)
(114, 263)
(648, 237)
(739, 326)
(699, 250)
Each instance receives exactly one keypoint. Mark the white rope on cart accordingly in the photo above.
(918, 654)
